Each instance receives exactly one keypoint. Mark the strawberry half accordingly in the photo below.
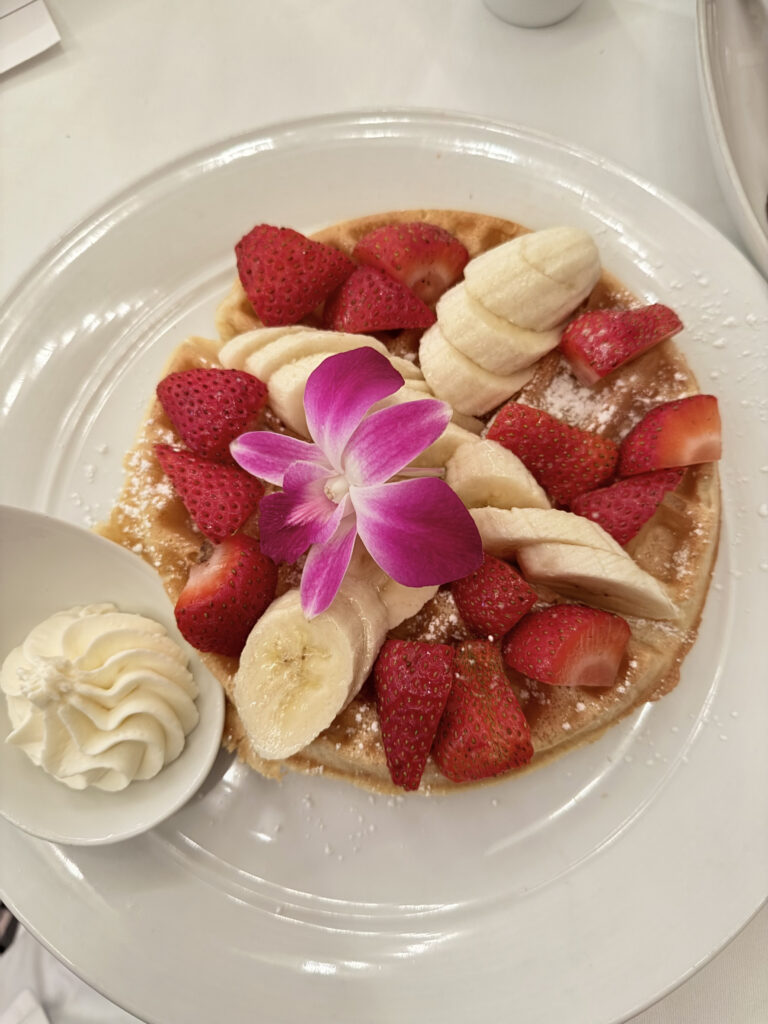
(425, 258)
(494, 598)
(565, 460)
(412, 681)
(370, 300)
(211, 407)
(683, 432)
(598, 341)
(623, 508)
(483, 731)
(286, 275)
(568, 645)
(225, 595)
(219, 498)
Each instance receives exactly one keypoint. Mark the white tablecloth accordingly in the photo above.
(136, 83)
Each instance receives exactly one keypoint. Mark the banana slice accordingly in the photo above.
(234, 355)
(409, 371)
(286, 391)
(505, 531)
(290, 347)
(535, 280)
(400, 602)
(490, 474)
(297, 674)
(605, 579)
(460, 381)
(491, 341)
(440, 451)
(408, 393)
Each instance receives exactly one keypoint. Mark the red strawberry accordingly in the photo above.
(413, 680)
(286, 275)
(425, 258)
(209, 408)
(624, 507)
(493, 598)
(483, 731)
(683, 432)
(565, 460)
(370, 300)
(602, 339)
(219, 498)
(225, 595)
(568, 645)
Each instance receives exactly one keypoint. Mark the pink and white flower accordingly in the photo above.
(343, 484)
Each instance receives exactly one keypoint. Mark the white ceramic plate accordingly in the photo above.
(733, 75)
(49, 565)
(579, 892)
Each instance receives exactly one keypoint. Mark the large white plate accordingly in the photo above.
(578, 893)
(733, 76)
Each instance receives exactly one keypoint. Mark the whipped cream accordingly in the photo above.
(99, 697)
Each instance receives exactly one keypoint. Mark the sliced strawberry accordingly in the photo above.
(370, 300)
(286, 275)
(598, 341)
(623, 508)
(565, 460)
(683, 432)
(425, 258)
(225, 595)
(568, 645)
(483, 731)
(219, 498)
(210, 407)
(494, 598)
(412, 680)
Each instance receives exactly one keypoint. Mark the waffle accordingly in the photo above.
(677, 545)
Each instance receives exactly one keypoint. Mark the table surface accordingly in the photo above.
(135, 84)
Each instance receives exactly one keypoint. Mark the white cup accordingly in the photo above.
(532, 13)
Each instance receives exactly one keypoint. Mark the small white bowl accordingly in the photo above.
(48, 565)
(532, 13)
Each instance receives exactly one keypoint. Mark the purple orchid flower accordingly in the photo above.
(340, 486)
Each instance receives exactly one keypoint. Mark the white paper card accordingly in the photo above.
(26, 29)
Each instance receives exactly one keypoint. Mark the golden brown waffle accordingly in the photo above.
(677, 546)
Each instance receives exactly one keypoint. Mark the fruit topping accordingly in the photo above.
(494, 598)
(684, 432)
(566, 460)
(624, 507)
(219, 498)
(370, 300)
(225, 595)
(210, 407)
(412, 680)
(483, 731)
(600, 340)
(425, 258)
(286, 275)
(568, 645)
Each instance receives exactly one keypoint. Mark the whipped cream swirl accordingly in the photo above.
(99, 697)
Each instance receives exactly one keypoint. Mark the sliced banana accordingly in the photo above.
(408, 393)
(286, 391)
(490, 474)
(403, 602)
(605, 579)
(491, 341)
(535, 280)
(234, 355)
(460, 381)
(290, 347)
(296, 674)
(408, 370)
(440, 451)
(505, 531)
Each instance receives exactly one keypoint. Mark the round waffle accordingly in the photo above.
(677, 545)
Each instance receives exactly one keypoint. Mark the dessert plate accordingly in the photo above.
(581, 891)
(733, 76)
(49, 565)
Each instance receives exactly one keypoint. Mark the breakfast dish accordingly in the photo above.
(495, 351)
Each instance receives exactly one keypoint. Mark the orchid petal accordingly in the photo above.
(267, 455)
(290, 522)
(389, 439)
(418, 531)
(325, 567)
(340, 391)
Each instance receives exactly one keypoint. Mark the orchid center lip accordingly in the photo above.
(336, 488)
